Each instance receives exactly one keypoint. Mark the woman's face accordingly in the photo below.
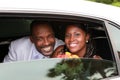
(75, 39)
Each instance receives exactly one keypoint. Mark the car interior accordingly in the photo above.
(12, 28)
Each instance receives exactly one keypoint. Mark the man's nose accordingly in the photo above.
(46, 42)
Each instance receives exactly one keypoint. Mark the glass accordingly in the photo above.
(58, 69)
(114, 31)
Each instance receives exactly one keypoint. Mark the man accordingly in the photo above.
(40, 44)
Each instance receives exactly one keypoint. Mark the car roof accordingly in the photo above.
(69, 7)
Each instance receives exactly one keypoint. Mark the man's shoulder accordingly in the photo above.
(21, 41)
(58, 42)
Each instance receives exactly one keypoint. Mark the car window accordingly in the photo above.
(20, 27)
(114, 31)
(57, 69)
(12, 28)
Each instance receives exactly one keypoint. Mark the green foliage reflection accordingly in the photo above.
(83, 69)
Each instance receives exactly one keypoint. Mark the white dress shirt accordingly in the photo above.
(24, 50)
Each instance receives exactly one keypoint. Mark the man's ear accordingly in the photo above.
(31, 39)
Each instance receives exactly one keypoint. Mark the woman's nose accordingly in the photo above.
(71, 38)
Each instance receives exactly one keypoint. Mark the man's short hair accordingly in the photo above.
(38, 22)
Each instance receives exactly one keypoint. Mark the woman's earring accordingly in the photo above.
(87, 41)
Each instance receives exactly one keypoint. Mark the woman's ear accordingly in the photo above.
(87, 38)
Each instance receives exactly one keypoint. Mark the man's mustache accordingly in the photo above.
(47, 45)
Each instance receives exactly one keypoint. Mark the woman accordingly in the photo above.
(78, 43)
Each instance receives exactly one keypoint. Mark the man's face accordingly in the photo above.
(43, 38)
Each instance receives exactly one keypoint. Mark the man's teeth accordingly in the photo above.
(47, 48)
(73, 45)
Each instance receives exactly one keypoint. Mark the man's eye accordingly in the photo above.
(51, 36)
(39, 39)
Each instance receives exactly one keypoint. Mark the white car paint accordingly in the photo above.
(69, 7)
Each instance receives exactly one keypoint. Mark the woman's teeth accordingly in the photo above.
(73, 45)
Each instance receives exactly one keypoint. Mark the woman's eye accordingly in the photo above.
(67, 35)
(77, 34)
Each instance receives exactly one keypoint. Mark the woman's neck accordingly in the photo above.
(81, 52)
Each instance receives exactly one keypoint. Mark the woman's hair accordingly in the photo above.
(82, 26)
(90, 44)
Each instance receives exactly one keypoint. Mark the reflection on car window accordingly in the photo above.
(58, 69)
(83, 69)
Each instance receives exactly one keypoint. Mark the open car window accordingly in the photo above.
(16, 26)
(13, 27)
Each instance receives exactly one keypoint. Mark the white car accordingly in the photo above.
(103, 20)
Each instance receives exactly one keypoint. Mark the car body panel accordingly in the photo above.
(62, 7)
